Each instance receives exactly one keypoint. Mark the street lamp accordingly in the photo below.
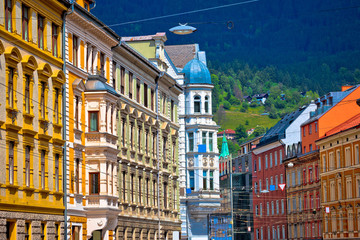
(182, 29)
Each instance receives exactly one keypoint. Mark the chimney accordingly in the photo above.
(344, 88)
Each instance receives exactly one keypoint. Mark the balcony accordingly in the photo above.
(94, 138)
(102, 201)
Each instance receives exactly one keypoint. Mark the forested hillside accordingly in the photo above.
(314, 42)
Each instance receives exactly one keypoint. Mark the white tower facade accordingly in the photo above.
(198, 153)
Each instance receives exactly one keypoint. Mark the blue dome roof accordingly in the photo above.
(196, 72)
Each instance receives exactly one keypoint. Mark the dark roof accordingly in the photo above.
(96, 83)
(261, 95)
(180, 55)
(277, 132)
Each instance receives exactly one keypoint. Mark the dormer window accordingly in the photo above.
(197, 104)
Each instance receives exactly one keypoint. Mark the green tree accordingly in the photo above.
(240, 132)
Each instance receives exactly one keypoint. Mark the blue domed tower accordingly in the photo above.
(198, 153)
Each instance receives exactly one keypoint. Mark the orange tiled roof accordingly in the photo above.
(227, 131)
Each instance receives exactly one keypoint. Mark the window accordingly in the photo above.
(11, 162)
(42, 168)
(277, 206)
(266, 162)
(8, 15)
(147, 142)
(164, 104)
(260, 187)
(304, 176)
(27, 230)
(75, 233)
(305, 202)
(191, 141)
(300, 204)
(271, 160)
(257, 210)
(27, 94)
(299, 177)
(140, 190)
(211, 142)
(94, 183)
(102, 64)
(197, 104)
(293, 178)
(41, 26)
(267, 184)
(172, 111)
(211, 180)
(191, 176)
(124, 186)
(27, 166)
(282, 206)
(25, 23)
(139, 138)
(43, 231)
(165, 196)
(146, 98)
(122, 80)
(154, 193)
(76, 112)
(316, 126)
(131, 85)
(261, 209)
(11, 87)
(275, 158)
(42, 100)
(347, 157)
(310, 148)
(310, 175)
(272, 208)
(204, 179)
(57, 231)
(259, 165)
(338, 159)
(123, 126)
(317, 172)
(56, 106)
(304, 129)
(147, 191)
(114, 75)
(267, 208)
(94, 121)
(206, 104)
(164, 148)
(152, 99)
(357, 154)
(280, 156)
(255, 167)
(54, 35)
(10, 230)
(57, 183)
(132, 188)
(75, 50)
(204, 138)
(77, 175)
(276, 182)
(310, 129)
(281, 179)
(138, 90)
(324, 163)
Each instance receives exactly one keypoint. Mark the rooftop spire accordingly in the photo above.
(224, 148)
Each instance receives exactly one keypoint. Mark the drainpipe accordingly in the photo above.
(64, 120)
(157, 147)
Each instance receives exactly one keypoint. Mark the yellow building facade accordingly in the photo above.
(31, 119)
(340, 181)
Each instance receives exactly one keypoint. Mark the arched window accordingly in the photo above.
(207, 104)
(197, 104)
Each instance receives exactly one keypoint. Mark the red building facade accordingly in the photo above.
(269, 201)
